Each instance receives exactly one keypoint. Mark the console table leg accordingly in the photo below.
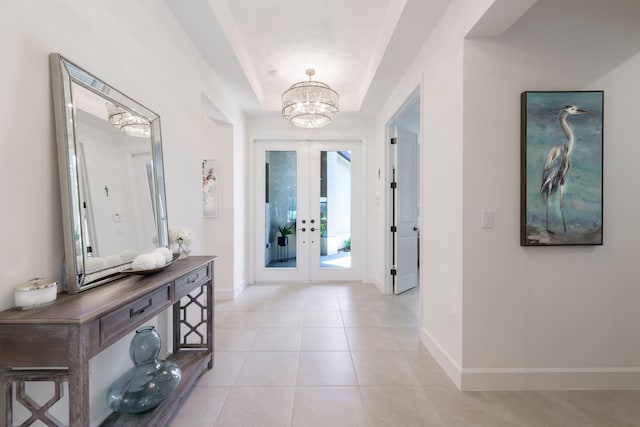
(78, 378)
(210, 318)
(6, 397)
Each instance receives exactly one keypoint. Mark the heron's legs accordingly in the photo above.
(546, 217)
(564, 223)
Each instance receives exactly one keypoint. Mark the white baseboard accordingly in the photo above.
(551, 379)
(531, 378)
(239, 288)
(377, 284)
(226, 294)
(448, 363)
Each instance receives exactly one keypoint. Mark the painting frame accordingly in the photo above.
(210, 188)
(561, 164)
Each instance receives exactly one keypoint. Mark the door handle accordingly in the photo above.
(312, 229)
(303, 229)
(133, 312)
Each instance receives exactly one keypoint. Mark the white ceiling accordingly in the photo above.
(259, 48)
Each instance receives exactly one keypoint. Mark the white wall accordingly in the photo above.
(561, 317)
(438, 68)
(241, 213)
(138, 48)
(496, 315)
(218, 233)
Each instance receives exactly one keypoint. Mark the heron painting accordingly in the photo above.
(561, 162)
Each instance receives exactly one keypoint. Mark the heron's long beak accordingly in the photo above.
(581, 111)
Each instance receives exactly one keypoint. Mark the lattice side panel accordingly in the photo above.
(193, 319)
(33, 387)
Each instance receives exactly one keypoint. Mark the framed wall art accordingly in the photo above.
(210, 188)
(561, 168)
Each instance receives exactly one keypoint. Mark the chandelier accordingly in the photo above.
(310, 104)
(128, 122)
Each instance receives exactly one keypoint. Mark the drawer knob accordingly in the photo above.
(193, 280)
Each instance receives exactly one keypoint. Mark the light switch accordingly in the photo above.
(487, 219)
(116, 217)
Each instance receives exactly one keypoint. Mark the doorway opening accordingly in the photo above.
(307, 211)
(403, 153)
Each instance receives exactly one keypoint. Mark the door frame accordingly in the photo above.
(358, 215)
(390, 132)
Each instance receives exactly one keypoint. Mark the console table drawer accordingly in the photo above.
(196, 278)
(137, 311)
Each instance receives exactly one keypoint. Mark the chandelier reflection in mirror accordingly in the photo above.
(310, 104)
(128, 122)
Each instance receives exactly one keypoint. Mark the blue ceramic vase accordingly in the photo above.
(146, 385)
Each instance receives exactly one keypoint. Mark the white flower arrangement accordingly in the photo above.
(158, 258)
(143, 262)
(180, 235)
(166, 254)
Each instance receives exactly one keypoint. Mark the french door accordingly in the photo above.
(308, 216)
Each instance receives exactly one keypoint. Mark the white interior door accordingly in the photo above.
(406, 202)
(309, 189)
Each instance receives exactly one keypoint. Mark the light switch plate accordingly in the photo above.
(487, 219)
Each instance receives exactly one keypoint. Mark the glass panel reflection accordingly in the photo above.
(280, 209)
(335, 209)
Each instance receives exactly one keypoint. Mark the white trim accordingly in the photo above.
(551, 379)
(391, 132)
(451, 367)
(329, 140)
(228, 294)
(224, 294)
(379, 285)
(473, 379)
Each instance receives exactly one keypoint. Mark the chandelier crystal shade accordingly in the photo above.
(310, 104)
(128, 122)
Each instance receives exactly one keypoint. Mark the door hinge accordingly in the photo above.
(394, 141)
(393, 271)
(394, 185)
(394, 228)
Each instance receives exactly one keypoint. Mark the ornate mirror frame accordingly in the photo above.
(67, 81)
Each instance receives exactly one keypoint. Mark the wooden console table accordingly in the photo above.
(54, 343)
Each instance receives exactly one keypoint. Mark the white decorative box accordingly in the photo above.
(35, 293)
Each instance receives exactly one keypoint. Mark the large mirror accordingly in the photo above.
(111, 176)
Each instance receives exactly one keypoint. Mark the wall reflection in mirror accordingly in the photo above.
(111, 176)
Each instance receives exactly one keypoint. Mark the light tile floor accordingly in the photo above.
(345, 355)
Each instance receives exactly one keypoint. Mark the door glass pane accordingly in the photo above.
(335, 209)
(280, 209)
